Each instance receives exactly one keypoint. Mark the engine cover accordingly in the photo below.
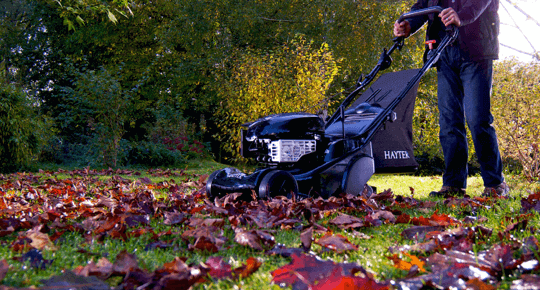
(285, 126)
(258, 137)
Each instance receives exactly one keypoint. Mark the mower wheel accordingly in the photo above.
(212, 193)
(277, 182)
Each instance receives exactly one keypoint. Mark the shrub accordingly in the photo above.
(517, 113)
(260, 83)
(154, 154)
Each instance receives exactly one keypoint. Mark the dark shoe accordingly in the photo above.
(500, 190)
(448, 191)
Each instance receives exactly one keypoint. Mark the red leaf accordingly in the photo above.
(307, 271)
(219, 269)
(337, 281)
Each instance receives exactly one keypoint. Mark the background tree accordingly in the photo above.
(179, 70)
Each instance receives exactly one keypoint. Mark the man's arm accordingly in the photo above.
(411, 25)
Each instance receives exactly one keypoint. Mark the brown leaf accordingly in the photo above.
(209, 244)
(125, 263)
(176, 265)
(384, 215)
(69, 280)
(252, 265)
(306, 237)
(258, 240)
(283, 251)
(419, 232)
(195, 222)
(344, 221)
(336, 242)
(173, 218)
(531, 282)
(103, 269)
(477, 284)
(4, 267)
(40, 240)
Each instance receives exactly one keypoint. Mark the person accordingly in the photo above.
(464, 76)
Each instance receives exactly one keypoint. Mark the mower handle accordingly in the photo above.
(420, 12)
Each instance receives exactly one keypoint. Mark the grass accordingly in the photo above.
(371, 255)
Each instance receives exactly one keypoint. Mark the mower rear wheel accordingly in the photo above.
(277, 182)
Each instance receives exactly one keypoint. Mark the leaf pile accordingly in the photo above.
(438, 250)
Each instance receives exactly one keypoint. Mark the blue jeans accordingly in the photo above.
(464, 93)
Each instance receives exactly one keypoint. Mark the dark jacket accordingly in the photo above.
(479, 31)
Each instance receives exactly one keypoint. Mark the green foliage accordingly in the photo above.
(292, 78)
(197, 69)
(76, 11)
(517, 113)
(155, 154)
(23, 131)
(99, 101)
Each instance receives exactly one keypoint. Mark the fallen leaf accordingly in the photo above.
(406, 265)
(69, 280)
(4, 267)
(336, 242)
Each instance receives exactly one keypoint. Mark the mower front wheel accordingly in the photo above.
(212, 192)
(277, 182)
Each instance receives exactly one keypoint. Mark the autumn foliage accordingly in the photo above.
(38, 212)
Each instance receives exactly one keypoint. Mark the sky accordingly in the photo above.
(512, 36)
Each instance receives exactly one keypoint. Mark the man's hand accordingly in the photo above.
(402, 29)
(449, 16)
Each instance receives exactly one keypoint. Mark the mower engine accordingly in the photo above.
(282, 139)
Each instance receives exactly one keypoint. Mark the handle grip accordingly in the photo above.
(420, 12)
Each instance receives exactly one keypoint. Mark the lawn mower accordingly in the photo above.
(305, 155)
